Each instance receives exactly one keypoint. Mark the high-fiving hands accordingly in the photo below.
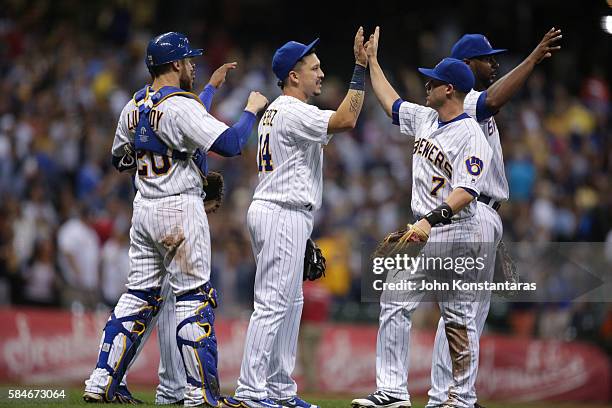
(371, 46)
(359, 50)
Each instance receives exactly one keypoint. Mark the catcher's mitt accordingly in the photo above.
(505, 266)
(402, 241)
(314, 261)
(214, 189)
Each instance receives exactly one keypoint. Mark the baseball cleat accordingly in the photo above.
(124, 396)
(234, 402)
(380, 399)
(92, 397)
(295, 402)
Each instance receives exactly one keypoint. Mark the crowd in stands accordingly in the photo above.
(65, 212)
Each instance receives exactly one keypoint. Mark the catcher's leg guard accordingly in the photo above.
(195, 337)
(128, 343)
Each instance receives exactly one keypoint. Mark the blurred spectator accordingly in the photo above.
(65, 77)
(115, 263)
(41, 276)
(79, 250)
(521, 175)
(8, 255)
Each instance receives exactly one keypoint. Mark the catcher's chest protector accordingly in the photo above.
(146, 139)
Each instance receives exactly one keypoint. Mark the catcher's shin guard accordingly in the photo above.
(201, 350)
(131, 338)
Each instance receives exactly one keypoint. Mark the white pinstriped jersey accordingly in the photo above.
(445, 156)
(496, 184)
(182, 124)
(292, 134)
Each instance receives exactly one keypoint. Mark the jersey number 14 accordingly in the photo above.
(264, 157)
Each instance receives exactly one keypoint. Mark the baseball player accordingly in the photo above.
(292, 134)
(171, 131)
(482, 103)
(451, 158)
(172, 379)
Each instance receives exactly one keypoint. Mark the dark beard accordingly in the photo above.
(186, 84)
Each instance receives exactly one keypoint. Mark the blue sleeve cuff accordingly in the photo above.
(395, 111)
(206, 96)
(482, 112)
(472, 192)
(232, 140)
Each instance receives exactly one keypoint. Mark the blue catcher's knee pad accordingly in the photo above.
(204, 345)
(114, 327)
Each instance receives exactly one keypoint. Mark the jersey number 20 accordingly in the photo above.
(159, 164)
(264, 157)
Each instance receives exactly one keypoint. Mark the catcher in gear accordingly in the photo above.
(160, 146)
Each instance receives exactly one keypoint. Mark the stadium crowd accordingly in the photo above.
(65, 212)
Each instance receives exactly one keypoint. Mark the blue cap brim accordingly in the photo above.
(195, 53)
(430, 73)
(309, 48)
(492, 52)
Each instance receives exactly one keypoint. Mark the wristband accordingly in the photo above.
(358, 80)
(441, 214)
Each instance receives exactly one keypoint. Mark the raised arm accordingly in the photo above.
(232, 140)
(500, 92)
(345, 117)
(385, 93)
(216, 80)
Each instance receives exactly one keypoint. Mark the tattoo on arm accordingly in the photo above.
(356, 101)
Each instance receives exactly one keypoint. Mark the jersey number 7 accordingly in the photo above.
(264, 157)
(438, 184)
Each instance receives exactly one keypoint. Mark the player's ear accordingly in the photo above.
(176, 65)
(293, 78)
(449, 90)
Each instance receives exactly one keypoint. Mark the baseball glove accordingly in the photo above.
(504, 265)
(403, 241)
(214, 189)
(314, 261)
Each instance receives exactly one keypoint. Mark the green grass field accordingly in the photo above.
(73, 399)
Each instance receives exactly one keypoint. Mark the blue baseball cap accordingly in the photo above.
(288, 55)
(169, 47)
(452, 71)
(473, 45)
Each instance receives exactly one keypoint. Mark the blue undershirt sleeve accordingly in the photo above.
(395, 111)
(469, 190)
(206, 96)
(482, 112)
(232, 140)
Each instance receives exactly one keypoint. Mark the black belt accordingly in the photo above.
(489, 201)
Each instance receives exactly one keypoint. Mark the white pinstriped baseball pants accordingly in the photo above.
(441, 368)
(278, 238)
(169, 245)
(171, 372)
(460, 239)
